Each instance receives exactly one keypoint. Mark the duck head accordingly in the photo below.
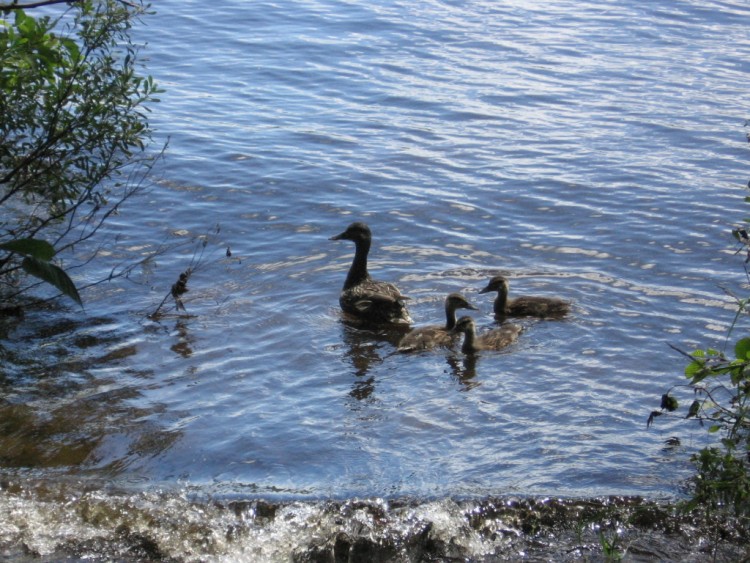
(497, 283)
(464, 324)
(356, 232)
(457, 301)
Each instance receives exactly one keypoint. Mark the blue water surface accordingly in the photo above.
(593, 150)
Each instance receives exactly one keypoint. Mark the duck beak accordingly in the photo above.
(338, 236)
(485, 290)
(472, 307)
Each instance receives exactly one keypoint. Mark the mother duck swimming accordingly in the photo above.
(362, 297)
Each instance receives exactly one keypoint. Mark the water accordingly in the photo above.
(594, 151)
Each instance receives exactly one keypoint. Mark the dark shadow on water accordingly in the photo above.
(70, 398)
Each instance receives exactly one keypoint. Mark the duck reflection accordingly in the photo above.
(183, 346)
(464, 369)
(363, 348)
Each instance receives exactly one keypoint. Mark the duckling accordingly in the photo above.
(495, 339)
(434, 336)
(524, 306)
(363, 297)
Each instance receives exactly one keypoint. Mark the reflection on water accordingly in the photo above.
(475, 139)
(464, 369)
(67, 402)
(184, 339)
(363, 348)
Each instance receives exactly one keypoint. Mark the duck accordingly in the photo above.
(495, 339)
(436, 336)
(524, 306)
(362, 297)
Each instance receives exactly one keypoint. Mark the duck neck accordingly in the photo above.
(469, 345)
(501, 302)
(358, 270)
(450, 317)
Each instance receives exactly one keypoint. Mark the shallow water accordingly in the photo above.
(592, 151)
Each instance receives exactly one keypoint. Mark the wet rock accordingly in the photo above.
(139, 545)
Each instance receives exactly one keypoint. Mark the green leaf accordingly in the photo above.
(72, 47)
(742, 349)
(693, 369)
(24, 23)
(694, 409)
(715, 428)
(669, 403)
(737, 374)
(35, 248)
(53, 275)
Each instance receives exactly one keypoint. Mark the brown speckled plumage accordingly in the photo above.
(436, 336)
(524, 306)
(495, 339)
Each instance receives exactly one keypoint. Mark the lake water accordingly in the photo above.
(590, 150)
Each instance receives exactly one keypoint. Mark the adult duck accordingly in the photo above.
(362, 297)
(436, 336)
(495, 339)
(526, 305)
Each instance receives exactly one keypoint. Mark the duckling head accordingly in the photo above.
(497, 283)
(457, 301)
(464, 324)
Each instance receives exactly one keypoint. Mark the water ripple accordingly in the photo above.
(587, 150)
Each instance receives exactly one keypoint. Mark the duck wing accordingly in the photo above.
(533, 306)
(499, 338)
(427, 338)
(378, 302)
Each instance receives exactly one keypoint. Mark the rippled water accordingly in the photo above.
(591, 150)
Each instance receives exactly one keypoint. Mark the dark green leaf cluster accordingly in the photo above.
(74, 125)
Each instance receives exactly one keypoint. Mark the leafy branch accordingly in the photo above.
(30, 5)
(74, 132)
(720, 386)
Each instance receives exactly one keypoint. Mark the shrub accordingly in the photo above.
(718, 388)
(74, 133)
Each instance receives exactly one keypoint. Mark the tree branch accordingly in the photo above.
(16, 6)
(40, 3)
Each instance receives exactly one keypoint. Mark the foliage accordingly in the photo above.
(719, 383)
(73, 136)
(37, 255)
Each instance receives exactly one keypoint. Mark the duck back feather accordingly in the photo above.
(495, 339)
(524, 306)
(436, 336)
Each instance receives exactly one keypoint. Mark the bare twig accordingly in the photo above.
(179, 288)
